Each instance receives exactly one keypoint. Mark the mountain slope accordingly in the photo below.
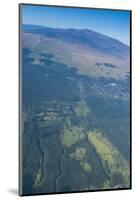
(85, 36)
(91, 53)
(75, 111)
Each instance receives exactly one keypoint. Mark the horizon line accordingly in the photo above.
(128, 45)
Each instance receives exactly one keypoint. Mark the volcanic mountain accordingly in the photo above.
(92, 53)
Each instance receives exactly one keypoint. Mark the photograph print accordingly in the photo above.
(75, 80)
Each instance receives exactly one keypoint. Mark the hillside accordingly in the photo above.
(75, 111)
(90, 52)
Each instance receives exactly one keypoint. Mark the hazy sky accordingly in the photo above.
(115, 24)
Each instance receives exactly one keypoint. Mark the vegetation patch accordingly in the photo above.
(107, 185)
(86, 166)
(81, 108)
(80, 153)
(50, 116)
(112, 160)
(72, 134)
(38, 179)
